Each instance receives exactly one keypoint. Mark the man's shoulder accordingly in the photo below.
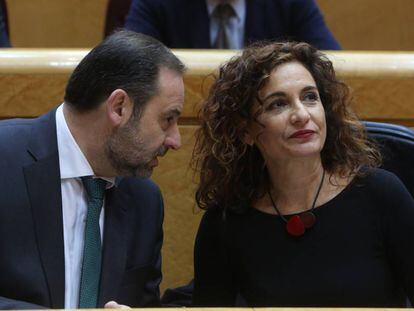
(17, 135)
(161, 3)
(140, 188)
(143, 195)
(15, 129)
(287, 4)
(12, 123)
(145, 184)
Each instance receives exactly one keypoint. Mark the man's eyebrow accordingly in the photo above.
(175, 112)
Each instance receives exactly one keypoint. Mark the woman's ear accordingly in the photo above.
(247, 138)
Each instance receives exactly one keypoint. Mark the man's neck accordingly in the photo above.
(88, 132)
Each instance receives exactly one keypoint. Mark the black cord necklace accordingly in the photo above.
(297, 224)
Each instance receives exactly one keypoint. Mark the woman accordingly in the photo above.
(297, 212)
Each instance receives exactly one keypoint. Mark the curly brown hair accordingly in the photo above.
(232, 173)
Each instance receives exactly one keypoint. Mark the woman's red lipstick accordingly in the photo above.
(302, 134)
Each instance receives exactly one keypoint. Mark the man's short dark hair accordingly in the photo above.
(125, 60)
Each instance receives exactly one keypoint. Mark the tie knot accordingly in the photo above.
(223, 11)
(95, 187)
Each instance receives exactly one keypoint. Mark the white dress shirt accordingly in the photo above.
(235, 26)
(73, 165)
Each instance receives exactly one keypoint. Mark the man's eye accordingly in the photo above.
(170, 120)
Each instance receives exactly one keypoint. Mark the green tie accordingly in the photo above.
(91, 263)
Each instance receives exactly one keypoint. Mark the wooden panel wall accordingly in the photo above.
(56, 23)
(175, 178)
(33, 81)
(371, 24)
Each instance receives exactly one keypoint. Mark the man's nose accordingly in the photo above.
(173, 139)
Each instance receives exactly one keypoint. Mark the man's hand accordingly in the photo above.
(115, 305)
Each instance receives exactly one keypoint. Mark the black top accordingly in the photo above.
(359, 253)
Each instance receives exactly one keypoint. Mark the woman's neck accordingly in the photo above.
(293, 185)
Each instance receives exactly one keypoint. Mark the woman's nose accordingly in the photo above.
(300, 114)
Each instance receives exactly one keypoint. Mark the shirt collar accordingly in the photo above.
(72, 161)
(238, 6)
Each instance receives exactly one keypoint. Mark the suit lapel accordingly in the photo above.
(43, 185)
(115, 244)
(199, 24)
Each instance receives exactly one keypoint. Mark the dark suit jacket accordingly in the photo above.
(31, 230)
(185, 23)
(4, 37)
(116, 12)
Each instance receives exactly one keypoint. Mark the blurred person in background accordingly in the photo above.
(229, 24)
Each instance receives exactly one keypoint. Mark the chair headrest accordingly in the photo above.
(396, 144)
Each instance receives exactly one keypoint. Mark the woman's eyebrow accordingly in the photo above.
(309, 88)
(274, 94)
(281, 94)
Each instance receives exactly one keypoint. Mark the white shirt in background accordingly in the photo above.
(235, 27)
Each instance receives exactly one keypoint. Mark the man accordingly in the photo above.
(67, 238)
(201, 23)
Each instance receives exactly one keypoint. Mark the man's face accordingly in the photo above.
(133, 148)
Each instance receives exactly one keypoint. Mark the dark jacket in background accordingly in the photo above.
(185, 23)
(4, 37)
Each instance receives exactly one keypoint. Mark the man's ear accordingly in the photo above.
(119, 107)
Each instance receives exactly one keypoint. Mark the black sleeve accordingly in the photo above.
(214, 284)
(179, 296)
(11, 304)
(399, 231)
(152, 285)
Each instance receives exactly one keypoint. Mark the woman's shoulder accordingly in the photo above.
(378, 177)
(220, 214)
(383, 183)
(213, 214)
(218, 217)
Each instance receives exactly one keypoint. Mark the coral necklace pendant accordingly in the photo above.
(308, 219)
(297, 224)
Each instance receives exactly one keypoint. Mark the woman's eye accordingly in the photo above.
(311, 96)
(277, 104)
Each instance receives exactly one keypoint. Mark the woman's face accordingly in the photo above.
(293, 123)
